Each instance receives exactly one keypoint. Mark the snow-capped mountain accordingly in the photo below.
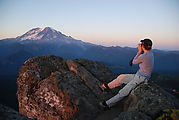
(50, 35)
(39, 41)
(45, 34)
(43, 41)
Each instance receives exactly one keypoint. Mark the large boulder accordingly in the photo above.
(145, 102)
(52, 88)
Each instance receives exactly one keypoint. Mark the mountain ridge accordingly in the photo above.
(43, 41)
(39, 30)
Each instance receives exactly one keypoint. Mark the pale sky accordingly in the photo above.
(104, 22)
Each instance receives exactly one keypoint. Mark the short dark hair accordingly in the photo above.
(147, 44)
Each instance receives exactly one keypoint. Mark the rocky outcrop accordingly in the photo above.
(145, 102)
(51, 88)
(7, 113)
(55, 89)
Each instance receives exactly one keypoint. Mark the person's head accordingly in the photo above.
(146, 44)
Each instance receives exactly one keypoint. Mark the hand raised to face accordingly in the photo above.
(140, 48)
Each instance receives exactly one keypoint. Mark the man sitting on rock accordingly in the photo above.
(145, 59)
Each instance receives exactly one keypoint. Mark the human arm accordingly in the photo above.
(138, 58)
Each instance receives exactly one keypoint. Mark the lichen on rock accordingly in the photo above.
(48, 88)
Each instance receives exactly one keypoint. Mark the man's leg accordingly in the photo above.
(123, 78)
(125, 90)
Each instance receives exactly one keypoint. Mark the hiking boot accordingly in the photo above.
(104, 106)
(104, 87)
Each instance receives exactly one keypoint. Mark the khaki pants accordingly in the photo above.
(131, 80)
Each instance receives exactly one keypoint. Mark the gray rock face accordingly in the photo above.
(7, 113)
(147, 100)
(97, 69)
(51, 88)
(132, 115)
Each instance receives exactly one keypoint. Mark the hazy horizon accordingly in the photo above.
(108, 23)
(97, 43)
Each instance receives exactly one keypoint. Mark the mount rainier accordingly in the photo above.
(43, 41)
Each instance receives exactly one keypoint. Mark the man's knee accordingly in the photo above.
(121, 76)
(126, 89)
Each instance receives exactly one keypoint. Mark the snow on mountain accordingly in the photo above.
(32, 34)
(39, 33)
(50, 35)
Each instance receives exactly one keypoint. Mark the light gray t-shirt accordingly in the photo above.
(146, 63)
